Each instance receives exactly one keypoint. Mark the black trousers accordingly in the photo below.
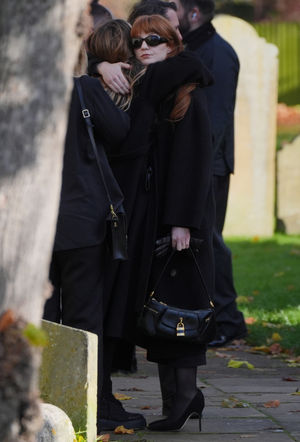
(230, 320)
(78, 298)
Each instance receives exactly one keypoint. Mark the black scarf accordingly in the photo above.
(195, 38)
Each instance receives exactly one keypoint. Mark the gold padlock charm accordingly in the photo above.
(180, 328)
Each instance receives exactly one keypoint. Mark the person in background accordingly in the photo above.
(195, 18)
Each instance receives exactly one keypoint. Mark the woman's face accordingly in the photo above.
(155, 50)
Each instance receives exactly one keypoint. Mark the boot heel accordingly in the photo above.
(200, 426)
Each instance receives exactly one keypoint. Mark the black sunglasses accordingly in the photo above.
(151, 40)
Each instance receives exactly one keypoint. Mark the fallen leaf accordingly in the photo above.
(146, 407)
(250, 320)
(122, 430)
(294, 364)
(221, 355)
(288, 379)
(232, 402)
(291, 287)
(103, 438)
(276, 337)
(272, 404)
(275, 348)
(262, 348)
(238, 364)
(255, 292)
(122, 397)
(255, 239)
(296, 393)
(295, 252)
(244, 299)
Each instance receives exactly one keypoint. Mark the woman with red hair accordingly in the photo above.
(165, 172)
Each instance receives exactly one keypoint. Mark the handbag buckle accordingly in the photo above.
(180, 331)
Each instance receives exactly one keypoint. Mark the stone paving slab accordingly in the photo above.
(218, 382)
(182, 437)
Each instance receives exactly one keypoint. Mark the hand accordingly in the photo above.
(113, 76)
(180, 238)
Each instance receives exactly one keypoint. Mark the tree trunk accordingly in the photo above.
(38, 50)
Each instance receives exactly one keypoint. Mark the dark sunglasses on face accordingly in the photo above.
(151, 40)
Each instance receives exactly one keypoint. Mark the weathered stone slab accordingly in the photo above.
(252, 189)
(57, 427)
(288, 187)
(68, 375)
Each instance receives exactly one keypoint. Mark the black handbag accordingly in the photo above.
(117, 232)
(160, 320)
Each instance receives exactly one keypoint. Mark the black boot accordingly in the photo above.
(112, 414)
(187, 401)
(167, 381)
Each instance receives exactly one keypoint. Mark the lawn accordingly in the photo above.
(267, 279)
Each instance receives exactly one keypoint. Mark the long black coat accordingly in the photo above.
(83, 204)
(222, 61)
(165, 175)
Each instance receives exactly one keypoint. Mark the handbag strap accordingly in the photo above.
(89, 125)
(197, 267)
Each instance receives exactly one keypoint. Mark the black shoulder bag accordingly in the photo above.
(116, 217)
(160, 320)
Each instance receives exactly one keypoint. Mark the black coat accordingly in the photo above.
(83, 204)
(222, 61)
(168, 184)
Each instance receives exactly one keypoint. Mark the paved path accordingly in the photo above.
(251, 388)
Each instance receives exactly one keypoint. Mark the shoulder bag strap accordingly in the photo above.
(89, 125)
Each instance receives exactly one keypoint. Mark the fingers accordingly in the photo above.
(125, 65)
(113, 76)
(119, 85)
(180, 238)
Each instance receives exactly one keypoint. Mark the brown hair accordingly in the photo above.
(159, 25)
(111, 42)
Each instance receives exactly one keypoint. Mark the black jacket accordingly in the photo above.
(222, 61)
(83, 205)
(168, 182)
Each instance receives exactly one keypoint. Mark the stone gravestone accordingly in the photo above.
(252, 187)
(288, 187)
(68, 375)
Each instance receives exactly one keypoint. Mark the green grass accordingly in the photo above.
(267, 280)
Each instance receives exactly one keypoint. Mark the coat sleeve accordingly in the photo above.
(189, 176)
(163, 78)
(221, 97)
(110, 123)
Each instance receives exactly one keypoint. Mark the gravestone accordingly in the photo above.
(57, 427)
(68, 375)
(288, 187)
(252, 187)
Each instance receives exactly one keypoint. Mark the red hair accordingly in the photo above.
(156, 24)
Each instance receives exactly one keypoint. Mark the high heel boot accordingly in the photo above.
(177, 422)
